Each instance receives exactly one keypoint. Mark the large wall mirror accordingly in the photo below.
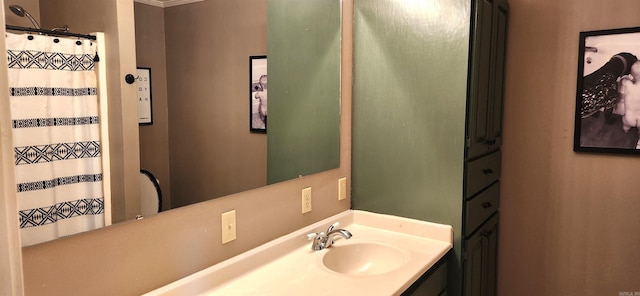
(200, 145)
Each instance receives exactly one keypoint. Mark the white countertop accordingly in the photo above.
(288, 266)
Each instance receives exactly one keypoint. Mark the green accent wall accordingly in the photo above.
(303, 64)
(409, 102)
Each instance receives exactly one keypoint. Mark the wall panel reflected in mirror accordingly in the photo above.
(304, 81)
(199, 146)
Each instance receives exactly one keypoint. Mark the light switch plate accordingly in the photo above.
(306, 200)
(342, 188)
(228, 226)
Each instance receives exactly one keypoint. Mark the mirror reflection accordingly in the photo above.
(304, 71)
(200, 145)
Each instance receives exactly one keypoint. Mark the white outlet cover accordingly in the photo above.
(306, 200)
(228, 226)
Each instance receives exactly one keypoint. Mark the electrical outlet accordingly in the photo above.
(342, 188)
(228, 226)
(306, 200)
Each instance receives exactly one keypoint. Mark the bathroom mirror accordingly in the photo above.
(201, 143)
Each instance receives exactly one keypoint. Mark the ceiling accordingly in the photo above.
(166, 3)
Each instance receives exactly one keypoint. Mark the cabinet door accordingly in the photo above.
(473, 265)
(491, 238)
(478, 121)
(501, 13)
(484, 130)
(433, 282)
(480, 264)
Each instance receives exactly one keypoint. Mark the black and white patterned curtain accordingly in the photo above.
(56, 136)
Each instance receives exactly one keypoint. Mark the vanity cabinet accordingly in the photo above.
(432, 283)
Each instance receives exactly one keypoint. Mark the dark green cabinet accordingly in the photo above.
(480, 243)
(432, 283)
(484, 124)
(480, 260)
(484, 138)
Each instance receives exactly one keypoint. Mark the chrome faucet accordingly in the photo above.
(324, 240)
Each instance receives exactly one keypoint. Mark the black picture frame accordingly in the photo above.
(144, 96)
(605, 121)
(258, 94)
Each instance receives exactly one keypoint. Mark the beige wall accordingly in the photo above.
(569, 222)
(154, 139)
(212, 152)
(199, 57)
(31, 6)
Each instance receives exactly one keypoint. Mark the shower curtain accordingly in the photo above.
(56, 135)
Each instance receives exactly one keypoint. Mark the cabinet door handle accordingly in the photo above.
(486, 205)
(487, 171)
(486, 233)
(490, 142)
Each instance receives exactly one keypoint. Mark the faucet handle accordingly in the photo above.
(334, 225)
(316, 235)
(318, 240)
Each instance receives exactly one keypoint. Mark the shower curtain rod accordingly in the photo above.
(50, 32)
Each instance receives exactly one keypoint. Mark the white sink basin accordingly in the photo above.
(364, 259)
(385, 255)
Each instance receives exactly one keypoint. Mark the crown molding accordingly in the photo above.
(166, 3)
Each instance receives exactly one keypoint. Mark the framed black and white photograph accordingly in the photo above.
(258, 94)
(607, 116)
(143, 82)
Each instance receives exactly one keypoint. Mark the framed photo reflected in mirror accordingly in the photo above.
(258, 94)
